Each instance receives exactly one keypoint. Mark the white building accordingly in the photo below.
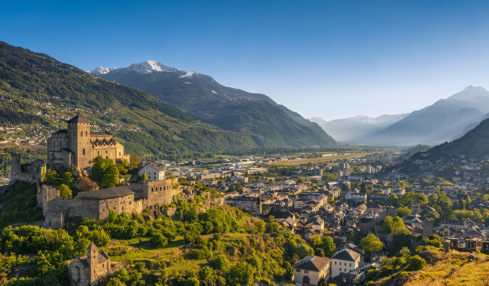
(153, 171)
(357, 197)
(311, 269)
(345, 261)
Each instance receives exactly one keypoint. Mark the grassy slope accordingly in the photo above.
(26, 76)
(446, 269)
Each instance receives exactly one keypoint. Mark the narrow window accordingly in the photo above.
(106, 151)
(86, 133)
(81, 133)
(83, 151)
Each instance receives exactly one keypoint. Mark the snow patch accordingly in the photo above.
(101, 70)
(187, 75)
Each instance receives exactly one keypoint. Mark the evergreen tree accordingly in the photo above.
(144, 177)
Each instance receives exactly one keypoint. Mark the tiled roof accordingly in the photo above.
(346, 254)
(78, 119)
(313, 263)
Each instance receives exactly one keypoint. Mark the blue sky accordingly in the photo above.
(331, 59)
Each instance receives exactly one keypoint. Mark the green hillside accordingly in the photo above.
(36, 89)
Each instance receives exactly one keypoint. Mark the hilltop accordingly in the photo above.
(36, 89)
(269, 123)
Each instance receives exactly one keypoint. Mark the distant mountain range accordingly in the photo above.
(445, 120)
(358, 128)
(199, 95)
(473, 145)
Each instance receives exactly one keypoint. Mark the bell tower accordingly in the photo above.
(92, 259)
(79, 141)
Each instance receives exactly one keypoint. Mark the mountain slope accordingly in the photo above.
(38, 89)
(439, 122)
(474, 144)
(228, 108)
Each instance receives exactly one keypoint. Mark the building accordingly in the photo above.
(344, 261)
(357, 197)
(90, 269)
(79, 146)
(153, 171)
(311, 269)
(316, 171)
(415, 206)
(246, 203)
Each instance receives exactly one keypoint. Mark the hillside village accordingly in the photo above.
(333, 206)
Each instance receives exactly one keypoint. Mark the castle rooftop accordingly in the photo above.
(106, 193)
(78, 119)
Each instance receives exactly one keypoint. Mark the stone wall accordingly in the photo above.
(31, 173)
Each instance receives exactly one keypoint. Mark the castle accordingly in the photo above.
(78, 146)
(132, 198)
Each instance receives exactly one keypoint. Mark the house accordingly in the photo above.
(345, 261)
(311, 269)
(357, 197)
(153, 171)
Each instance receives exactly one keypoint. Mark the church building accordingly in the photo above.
(78, 146)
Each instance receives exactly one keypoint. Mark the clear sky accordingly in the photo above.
(331, 59)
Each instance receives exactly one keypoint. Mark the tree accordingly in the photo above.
(387, 226)
(144, 177)
(363, 188)
(319, 252)
(272, 225)
(110, 178)
(416, 262)
(403, 212)
(98, 169)
(68, 179)
(64, 191)
(371, 243)
(52, 177)
(134, 160)
(398, 227)
(159, 240)
(260, 226)
(393, 200)
(87, 185)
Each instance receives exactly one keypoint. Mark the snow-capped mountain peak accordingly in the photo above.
(473, 94)
(101, 70)
(142, 68)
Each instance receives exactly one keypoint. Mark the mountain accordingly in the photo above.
(36, 89)
(439, 122)
(356, 129)
(474, 144)
(471, 126)
(231, 109)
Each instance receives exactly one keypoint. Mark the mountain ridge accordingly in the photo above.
(228, 108)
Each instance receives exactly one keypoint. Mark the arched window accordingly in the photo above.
(306, 280)
(106, 151)
(86, 133)
(81, 133)
(160, 189)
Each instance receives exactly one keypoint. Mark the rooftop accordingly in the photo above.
(78, 119)
(106, 193)
(313, 263)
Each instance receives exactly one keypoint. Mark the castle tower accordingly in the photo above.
(79, 138)
(92, 259)
(15, 169)
(415, 205)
